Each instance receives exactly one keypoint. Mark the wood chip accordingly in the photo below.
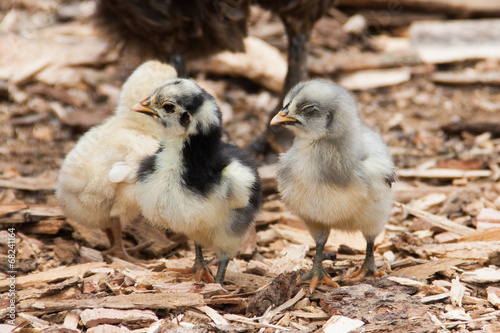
(455, 40)
(482, 275)
(494, 296)
(457, 292)
(376, 78)
(290, 259)
(488, 215)
(132, 301)
(464, 250)
(261, 63)
(434, 298)
(341, 324)
(294, 235)
(291, 302)
(406, 282)
(43, 183)
(72, 320)
(427, 270)
(214, 315)
(459, 8)
(467, 77)
(439, 221)
(108, 329)
(310, 315)
(183, 287)
(489, 235)
(442, 173)
(53, 275)
(94, 317)
(456, 314)
(5, 328)
(19, 213)
(249, 321)
(44, 227)
(35, 321)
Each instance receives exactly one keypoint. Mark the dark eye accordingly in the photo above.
(169, 107)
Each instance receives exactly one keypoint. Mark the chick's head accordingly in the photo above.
(316, 109)
(182, 107)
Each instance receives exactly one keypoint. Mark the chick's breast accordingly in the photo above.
(362, 203)
(84, 189)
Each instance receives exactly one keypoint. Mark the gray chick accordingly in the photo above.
(196, 184)
(337, 174)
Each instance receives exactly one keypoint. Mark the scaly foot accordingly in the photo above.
(200, 274)
(315, 276)
(123, 255)
(360, 274)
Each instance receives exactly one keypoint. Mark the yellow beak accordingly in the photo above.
(283, 119)
(143, 107)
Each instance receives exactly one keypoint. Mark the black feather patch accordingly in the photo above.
(148, 165)
(243, 217)
(193, 102)
(202, 160)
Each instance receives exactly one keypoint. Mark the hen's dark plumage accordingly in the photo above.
(176, 29)
(299, 17)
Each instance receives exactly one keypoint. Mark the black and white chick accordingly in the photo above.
(96, 183)
(337, 174)
(196, 184)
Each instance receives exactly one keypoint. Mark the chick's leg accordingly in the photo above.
(117, 249)
(200, 268)
(368, 268)
(318, 274)
(221, 271)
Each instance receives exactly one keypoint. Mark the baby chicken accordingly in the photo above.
(208, 189)
(96, 183)
(337, 174)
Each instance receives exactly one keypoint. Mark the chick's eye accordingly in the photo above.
(168, 107)
(308, 108)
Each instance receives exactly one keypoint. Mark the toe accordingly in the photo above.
(203, 275)
(328, 281)
(315, 277)
(313, 284)
(360, 274)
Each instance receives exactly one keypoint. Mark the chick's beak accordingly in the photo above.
(143, 107)
(282, 118)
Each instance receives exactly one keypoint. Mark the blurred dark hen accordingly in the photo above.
(299, 17)
(175, 30)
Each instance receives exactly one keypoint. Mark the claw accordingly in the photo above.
(315, 277)
(203, 275)
(117, 249)
(313, 284)
(360, 274)
(200, 274)
(123, 255)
